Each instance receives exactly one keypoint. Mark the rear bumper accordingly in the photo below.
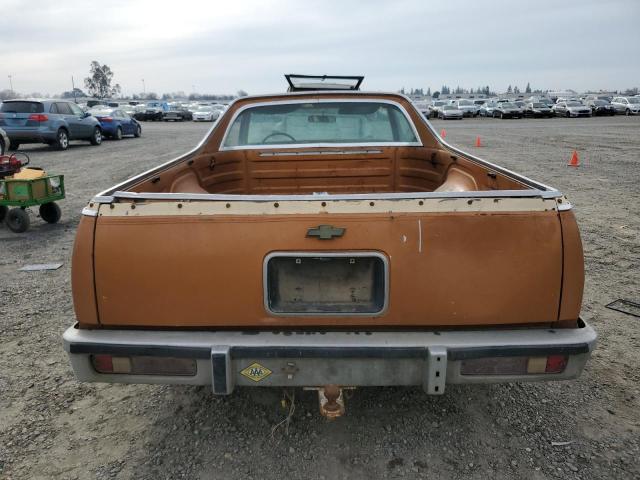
(430, 359)
(31, 135)
(109, 128)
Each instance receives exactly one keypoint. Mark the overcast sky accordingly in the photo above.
(222, 46)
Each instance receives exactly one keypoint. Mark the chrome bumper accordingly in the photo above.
(315, 358)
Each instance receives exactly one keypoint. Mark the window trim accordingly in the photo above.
(223, 148)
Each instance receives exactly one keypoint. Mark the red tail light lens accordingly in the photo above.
(144, 365)
(106, 119)
(514, 365)
(556, 363)
(102, 363)
(39, 117)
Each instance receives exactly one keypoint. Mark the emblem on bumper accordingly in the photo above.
(256, 372)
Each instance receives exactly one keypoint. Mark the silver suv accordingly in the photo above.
(626, 105)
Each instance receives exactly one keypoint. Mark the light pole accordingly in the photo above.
(11, 81)
(73, 89)
(144, 88)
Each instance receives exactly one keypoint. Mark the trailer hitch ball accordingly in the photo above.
(331, 401)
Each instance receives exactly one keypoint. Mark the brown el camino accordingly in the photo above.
(327, 238)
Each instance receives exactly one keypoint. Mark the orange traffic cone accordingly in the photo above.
(478, 142)
(443, 133)
(575, 161)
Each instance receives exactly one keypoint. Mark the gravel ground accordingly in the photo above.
(52, 427)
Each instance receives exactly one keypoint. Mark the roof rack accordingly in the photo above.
(299, 83)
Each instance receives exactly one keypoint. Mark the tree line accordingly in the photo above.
(446, 90)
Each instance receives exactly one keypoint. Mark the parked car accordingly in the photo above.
(139, 112)
(54, 122)
(116, 123)
(521, 104)
(606, 98)
(128, 109)
(150, 114)
(300, 277)
(571, 108)
(206, 114)
(450, 112)
(435, 107)
(600, 107)
(422, 106)
(177, 113)
(486, 109)
(507, 110)
(95, 103)
(4, 142)
(537, 110)
(468, 108)
(626, 105)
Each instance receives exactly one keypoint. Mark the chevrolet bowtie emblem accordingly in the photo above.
(325, 232)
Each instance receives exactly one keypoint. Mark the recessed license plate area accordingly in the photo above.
(326, 283)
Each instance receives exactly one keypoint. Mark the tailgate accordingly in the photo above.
(451, 262)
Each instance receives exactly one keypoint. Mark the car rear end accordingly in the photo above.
(411, 287)
(580, 111)
(406, 295)
(108, 122)
(28, 121)
(173, 115)
(204, 115)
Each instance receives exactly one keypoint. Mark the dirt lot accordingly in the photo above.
(51, 427)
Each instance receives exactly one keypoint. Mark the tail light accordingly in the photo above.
(144, 365)
(39, 117)
(556, 364)
(514, 365)
(106, 119)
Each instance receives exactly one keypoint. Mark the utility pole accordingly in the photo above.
(73, 89)
(11, 82)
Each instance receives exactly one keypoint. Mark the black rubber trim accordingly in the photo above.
(219, 363)
(466, 353)
(146, 350)
(454, 353)
(328, 352)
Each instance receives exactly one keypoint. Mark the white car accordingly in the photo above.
(468, 108)
(422, 106)
(206, 114)
(447, 112)
(572, 108)
(435, 107)
(626, 105)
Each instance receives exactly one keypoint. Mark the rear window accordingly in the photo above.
(320, 123)
(22, 107)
